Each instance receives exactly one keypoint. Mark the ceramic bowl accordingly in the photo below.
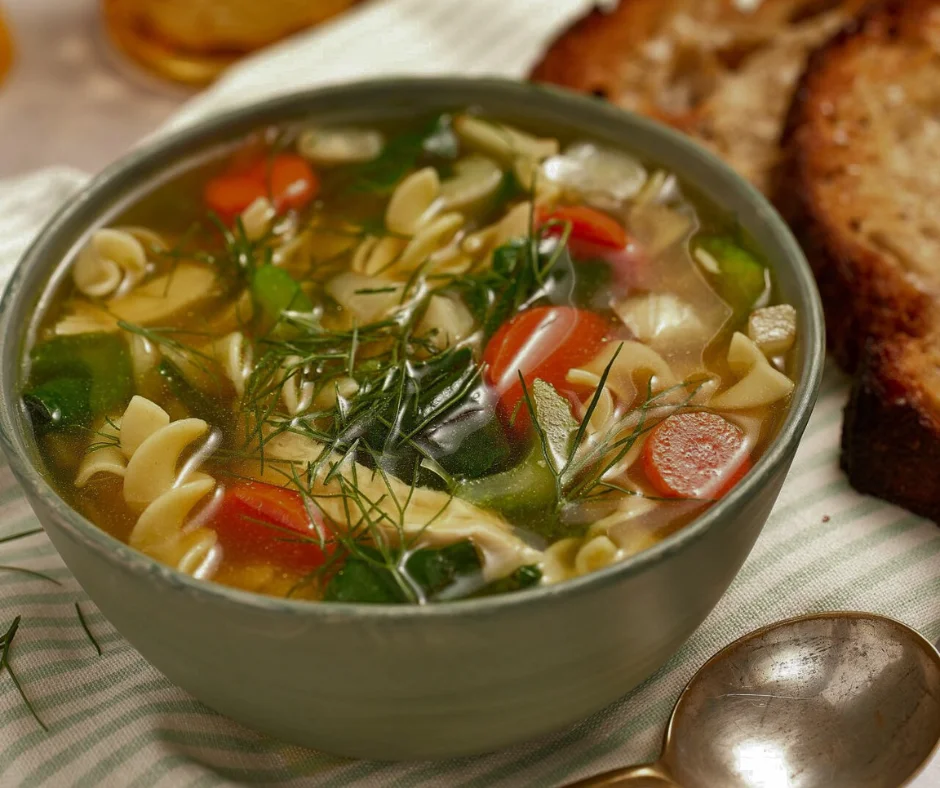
(400, 682)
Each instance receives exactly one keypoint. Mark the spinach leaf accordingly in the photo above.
(366, 579)
(523, 577)
(101, 360)
(361, 580)
(436, 570)
(402, 153)
(59, 404)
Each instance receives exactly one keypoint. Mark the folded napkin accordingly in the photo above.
(115, 721)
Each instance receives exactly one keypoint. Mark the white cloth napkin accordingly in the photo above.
(114, 721)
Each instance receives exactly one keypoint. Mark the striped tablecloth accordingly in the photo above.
(115, 721)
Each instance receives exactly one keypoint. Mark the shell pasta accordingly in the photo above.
(413, 363)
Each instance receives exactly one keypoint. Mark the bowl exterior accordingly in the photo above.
(412, 683)
(423, 687)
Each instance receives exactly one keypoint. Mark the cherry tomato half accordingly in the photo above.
(544, 342)
(261, 522)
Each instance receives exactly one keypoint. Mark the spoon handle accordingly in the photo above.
(648, 775)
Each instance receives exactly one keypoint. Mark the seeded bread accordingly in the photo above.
(722, 71)
(860, 184)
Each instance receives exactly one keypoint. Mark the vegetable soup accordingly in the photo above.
(408, 363)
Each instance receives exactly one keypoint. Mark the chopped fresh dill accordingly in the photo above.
(20, 535)
(31, 573)
(6, 643)
(84, 623)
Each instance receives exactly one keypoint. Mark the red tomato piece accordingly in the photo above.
(589, 227)
(261, 522)
(695, 455)
(544, 342)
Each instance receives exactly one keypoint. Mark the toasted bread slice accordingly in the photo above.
(720, 70)
(860, 182)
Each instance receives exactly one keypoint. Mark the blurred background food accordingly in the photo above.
(193, 41)
(6, 47)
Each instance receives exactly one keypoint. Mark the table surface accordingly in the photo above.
(70, 99)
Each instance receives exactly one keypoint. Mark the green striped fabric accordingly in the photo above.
(114, 720)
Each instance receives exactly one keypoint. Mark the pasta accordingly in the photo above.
(112, 262)
(413, 203)
(409, 363)
(759, 384)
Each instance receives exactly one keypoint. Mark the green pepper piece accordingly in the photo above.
(742, 279)
(100, 358)
(275, 291)
(59, 404)
(517, 493)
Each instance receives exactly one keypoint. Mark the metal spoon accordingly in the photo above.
(825, 700)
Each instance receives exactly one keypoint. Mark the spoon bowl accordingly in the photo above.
(828, 699)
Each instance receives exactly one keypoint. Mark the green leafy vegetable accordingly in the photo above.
(403, 152)
(76, 378)
(59, 404)
(523, 577)
(365, 578)
(365, 581)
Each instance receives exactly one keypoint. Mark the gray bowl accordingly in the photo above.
(392, 682)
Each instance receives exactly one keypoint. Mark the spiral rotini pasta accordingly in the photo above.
(113, 261)
(147, 456)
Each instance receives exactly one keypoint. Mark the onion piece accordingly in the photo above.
(340, 145)
(662, 320)
(603, 177)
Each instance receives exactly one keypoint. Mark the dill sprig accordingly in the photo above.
(588, 461)
(31, 573)
(81, 619)
(6, 643)
(20, 535)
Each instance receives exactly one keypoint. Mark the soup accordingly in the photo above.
(407, 364)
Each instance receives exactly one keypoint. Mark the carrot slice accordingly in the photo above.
(229, 195)
(293, 182)
(695, 455)
(286, 179)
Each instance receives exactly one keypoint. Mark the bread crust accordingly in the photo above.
(856, 185)
(721, 74)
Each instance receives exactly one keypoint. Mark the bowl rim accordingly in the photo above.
(119, 554)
